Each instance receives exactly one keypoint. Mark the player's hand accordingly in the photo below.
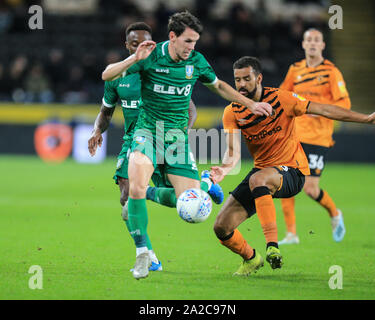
(261, 109)
(144, 50)
(217, 174)
(95, 140)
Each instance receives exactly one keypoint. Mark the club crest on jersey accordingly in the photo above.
(140, 140)
(298, 97)
(189, 70)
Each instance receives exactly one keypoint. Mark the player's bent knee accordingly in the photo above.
(311, 191)
(257, 181)
(220, 230)
(137, 191)
(221, 226)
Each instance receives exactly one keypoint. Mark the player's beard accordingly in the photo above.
(250, 94)
(179, 57)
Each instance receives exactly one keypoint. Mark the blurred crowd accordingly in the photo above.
(63, 61)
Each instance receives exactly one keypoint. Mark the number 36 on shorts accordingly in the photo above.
(316, 161)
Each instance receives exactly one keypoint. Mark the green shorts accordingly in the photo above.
(170, 152)
(159, 178)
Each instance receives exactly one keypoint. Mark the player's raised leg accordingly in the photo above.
(167, 196)
(313, 190)
(231, 215)
(181, 183)
(140, 172)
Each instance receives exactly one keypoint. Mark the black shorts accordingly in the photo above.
(316, 156)
(293, 181)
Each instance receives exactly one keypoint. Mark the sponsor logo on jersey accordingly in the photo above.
(133, 104)
(189, 70)
(126, 85)
(263, 134)
(298, 97)
(160, 88)
(162, 70)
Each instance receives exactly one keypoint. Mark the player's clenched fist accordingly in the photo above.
(95, 140)
(144, 49)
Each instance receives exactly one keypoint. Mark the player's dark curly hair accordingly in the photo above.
(182, 20)
(247, 61)
(138, 26)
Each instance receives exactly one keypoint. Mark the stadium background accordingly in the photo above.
(54, 74)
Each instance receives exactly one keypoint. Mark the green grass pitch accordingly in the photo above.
(66, 219)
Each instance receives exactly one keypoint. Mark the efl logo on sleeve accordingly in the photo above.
(342, 87)
(298, 97)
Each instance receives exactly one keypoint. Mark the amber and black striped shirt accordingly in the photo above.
(323, 84)
(271, 140)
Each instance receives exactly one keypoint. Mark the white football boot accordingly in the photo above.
(290, 238)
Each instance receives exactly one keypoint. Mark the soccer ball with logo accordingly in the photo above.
(194, 205)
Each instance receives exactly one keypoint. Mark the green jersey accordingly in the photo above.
(167, 86)
(127, 89)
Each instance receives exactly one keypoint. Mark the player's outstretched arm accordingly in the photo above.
(101, 124)
(228, 93)
(114, 70)
(192, 114)
(338, 113)
(231, 156)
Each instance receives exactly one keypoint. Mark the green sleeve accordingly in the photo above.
(143, 64)
(136, 68)
(110, 94)
(206, 73)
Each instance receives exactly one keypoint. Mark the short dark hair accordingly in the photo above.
(247, 61)
(138, 26)
(182, 20)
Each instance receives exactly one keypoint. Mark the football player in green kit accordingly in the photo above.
(128, 90)
(168, 72)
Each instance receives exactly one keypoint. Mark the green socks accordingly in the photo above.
(205, 186)
(138, 220)
(163, 196)
(149, 246)
(167, 196)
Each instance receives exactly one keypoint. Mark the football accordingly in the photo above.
(194, 205)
